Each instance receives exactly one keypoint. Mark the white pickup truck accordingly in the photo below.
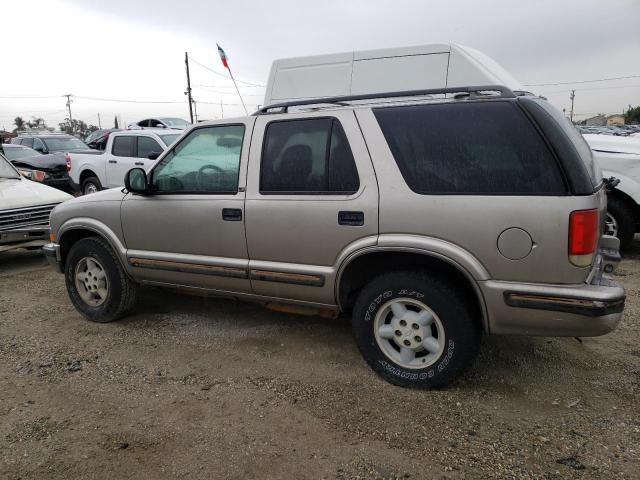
(620, 157)
(91, 172)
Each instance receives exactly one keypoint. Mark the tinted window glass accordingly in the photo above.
(146, 145)
(38, 145)
(122, 146)
(27, 142)
(467, 148)
(64, 144)
(207, 160)
(307, 156)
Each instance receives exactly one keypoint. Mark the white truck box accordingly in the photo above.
(387, 70)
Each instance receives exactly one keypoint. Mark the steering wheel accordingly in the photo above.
(201, 175)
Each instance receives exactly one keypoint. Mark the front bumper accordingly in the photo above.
(24, 237)
(585, 310)
(52, 254)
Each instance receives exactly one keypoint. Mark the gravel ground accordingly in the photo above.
(192, 388)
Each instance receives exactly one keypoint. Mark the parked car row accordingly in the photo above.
(616, 130)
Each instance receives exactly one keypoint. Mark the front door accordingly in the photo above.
(311, 196)
(191, 230)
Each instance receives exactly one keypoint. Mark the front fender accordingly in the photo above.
(627, 184)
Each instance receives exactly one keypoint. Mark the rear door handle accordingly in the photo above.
(355, 219)
(113, 161)
(232, 214)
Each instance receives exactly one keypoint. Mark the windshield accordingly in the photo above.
(6, 170)
(13, 153)
(169, 139)
(64, 144)
(175, 122)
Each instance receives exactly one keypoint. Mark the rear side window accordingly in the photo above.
(469, 148)
(122, 146)
(27, 142)
(309, 156)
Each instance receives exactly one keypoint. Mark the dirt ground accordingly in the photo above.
(197, 388)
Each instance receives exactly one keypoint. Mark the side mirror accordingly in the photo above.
(154, 155)
(136, 181)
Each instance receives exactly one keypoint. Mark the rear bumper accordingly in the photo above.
(52, 254)
(584, 310)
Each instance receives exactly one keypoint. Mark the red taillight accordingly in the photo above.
(583, 236)
(67, 159)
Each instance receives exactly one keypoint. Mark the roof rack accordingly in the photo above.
(471, 92)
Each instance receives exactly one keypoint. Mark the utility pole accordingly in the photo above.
(68, 95)
(188, 92)
(195, 110)
(573, 96)
(221, 110)
(99, 124)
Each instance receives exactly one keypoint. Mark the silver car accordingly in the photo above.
(430, 217)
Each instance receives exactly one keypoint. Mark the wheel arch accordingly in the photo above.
(364, 264)
(79, 227)
(86, 174)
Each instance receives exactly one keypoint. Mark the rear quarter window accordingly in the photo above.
(470, 148)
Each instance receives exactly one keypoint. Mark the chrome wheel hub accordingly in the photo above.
(91, 281)
(409, 333)
(610, 225)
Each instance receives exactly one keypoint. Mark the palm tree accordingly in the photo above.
(19, 123)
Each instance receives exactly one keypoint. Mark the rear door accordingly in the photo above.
(311, 194)
(120, 159)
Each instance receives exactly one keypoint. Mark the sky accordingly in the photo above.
(101, 51)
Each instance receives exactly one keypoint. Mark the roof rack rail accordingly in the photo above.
(471, 91)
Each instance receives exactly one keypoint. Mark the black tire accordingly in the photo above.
(624, 217)
(88, 182)
(122, 291)
(462, 331)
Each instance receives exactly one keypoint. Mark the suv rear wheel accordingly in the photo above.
(415, 330)
(96, 282)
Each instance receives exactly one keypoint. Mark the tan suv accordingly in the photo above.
(431, 216)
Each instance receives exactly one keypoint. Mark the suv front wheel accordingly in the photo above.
(415, 330)
(96, 282)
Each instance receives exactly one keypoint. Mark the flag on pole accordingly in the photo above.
(223, 56)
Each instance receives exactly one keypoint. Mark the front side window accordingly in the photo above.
(122, 146)
(469, 148)
(38, 145)
(27, 142)
(146, 146)
(206, 161)
(306, 157)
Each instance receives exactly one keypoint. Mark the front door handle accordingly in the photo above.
(354, 219)
(232, 214)
(139, 163)
(113, 161)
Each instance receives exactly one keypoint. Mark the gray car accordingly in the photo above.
(429, 219)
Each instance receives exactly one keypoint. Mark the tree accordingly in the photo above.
(76, 127)
(19, 123)
(37, 123)
(115, 123)
(632, 115)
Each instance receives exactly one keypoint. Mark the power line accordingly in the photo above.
(121, 100)
(202, 87)
(592, 88)
(581, 81)
(22, 97)
(223, 75)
